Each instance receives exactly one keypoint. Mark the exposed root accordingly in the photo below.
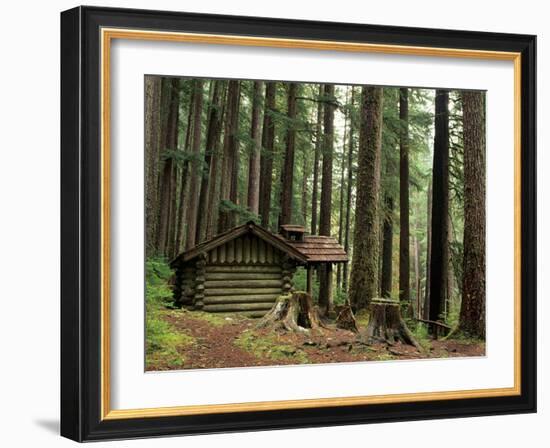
(387, 325)
(293, 312)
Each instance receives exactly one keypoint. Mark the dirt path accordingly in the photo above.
(232, 341)
(214, 343)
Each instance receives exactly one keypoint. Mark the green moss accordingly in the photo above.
(362, 318)
(216, 319)
(269, 347)
(384, 357)
(164, 344)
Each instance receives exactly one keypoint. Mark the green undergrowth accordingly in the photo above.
(420, 332)
(163, 343)
(269, 347)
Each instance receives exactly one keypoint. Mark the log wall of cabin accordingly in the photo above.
(243, 275)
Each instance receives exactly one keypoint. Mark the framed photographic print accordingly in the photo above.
(273, 223)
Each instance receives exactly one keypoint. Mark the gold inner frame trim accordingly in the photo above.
(107, 35)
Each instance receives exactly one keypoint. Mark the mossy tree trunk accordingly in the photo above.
(253, 198)
(440, 212)
(230, 156)
(325, 286)
(267, 154)
(364, 268)
(195, 180)
(152, 140)
(472, 312)
(404, 258)
(287, 178)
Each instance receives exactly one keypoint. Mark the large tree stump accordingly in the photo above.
(345, 318)
(292, 312)
(387, 325)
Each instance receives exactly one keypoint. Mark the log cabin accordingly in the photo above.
(245, 269)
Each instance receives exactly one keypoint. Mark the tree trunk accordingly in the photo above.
(472, 311)
(255, 152)
(194, 182)
(417, 275)
(293, 312)
(182, 209)
(266, 159)
(404, 258)
(387, 248)
(152, 131)
(213, 200)
(426, 307)
(348, 192)
(438, 258)
(167, 182)
(210, 157)
(305, 175)
(363, 278)
(342, 183)
(325, 296)
(287, 177)
(387, 325)
(317, 157)
(230, 148)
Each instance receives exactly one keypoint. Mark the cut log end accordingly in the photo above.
(293, 312)
(387, 325)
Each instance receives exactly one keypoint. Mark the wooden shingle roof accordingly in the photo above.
(321, 249)
(313, 249)
(250, 227)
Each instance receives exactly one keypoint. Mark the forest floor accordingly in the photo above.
(207, 340)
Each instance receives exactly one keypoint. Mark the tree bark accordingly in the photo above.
(416, 275)
(472, 311)
(325, 289)
(266, 159)
(426, 307)
(387, 248)
(167, 182)
(182, 209)
(287, 178)
(213, 200)
(194, 182)
(305, 175)
(404, 257)
(364, 275)
(438, 258)
(152, 131)
(230, 148)
(342, 184)
(348, 192)
(317, 157)
(210, 157)
(255, 151)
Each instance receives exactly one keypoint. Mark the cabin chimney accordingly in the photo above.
(292, 232)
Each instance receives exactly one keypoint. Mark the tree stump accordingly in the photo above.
(292, 312)
(345, 319)
(387, 325)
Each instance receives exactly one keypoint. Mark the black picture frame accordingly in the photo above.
(81, 224)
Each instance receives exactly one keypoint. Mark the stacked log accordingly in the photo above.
(241, 288)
